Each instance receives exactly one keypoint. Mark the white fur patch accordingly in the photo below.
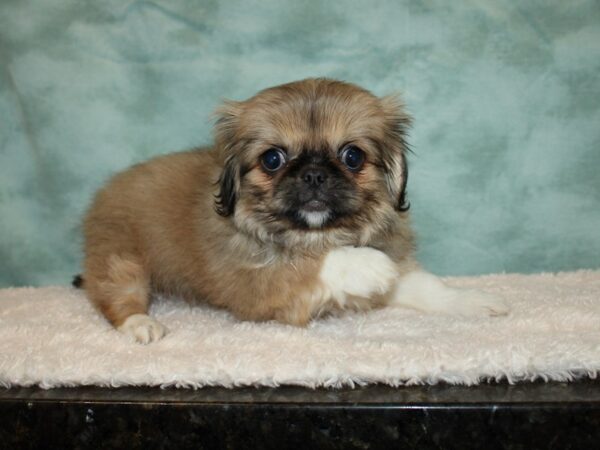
(314, 219)
(426, 292)
(143, 328)
(358, 271)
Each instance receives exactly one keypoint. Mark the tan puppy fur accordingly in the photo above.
(217, 225)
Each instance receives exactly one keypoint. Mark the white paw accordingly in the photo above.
(476, 303)
(359, 271)
(143, 328)
(426, 292)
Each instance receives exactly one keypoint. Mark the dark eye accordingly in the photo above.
(353, 157)
(273, 159)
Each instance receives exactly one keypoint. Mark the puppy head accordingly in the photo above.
(315, 162)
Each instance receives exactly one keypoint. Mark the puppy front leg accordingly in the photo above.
(426, 292)
(362, 272)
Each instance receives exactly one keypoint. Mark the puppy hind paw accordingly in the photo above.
(358, 271)
(143, 328)
(477, 303)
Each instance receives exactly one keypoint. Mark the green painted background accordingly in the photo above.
(505, 95)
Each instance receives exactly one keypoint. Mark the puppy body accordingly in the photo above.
(153, 228)
(298, 210)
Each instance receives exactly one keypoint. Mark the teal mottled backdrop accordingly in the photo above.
(505, 95)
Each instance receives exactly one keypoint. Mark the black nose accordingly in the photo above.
(313, 176)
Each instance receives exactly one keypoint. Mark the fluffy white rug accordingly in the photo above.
(53, 337)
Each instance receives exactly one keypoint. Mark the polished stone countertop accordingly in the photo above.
(525, 415)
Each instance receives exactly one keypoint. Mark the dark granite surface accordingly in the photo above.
(527, 416)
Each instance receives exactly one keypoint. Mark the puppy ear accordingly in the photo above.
(226, 124)
(225, 131)
(395, 148)
(229, 187)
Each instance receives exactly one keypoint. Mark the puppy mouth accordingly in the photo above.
(315, 205)
(314, 213)
(314, 218)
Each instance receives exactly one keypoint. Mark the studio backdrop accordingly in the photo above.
(504, 174)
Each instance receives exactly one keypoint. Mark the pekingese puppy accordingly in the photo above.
(299, 209)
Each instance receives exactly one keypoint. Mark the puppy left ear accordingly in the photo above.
(395, 147)
(229, 187)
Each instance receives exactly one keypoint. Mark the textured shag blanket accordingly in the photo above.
(52, 337)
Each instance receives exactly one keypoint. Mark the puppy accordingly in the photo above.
(298, 210)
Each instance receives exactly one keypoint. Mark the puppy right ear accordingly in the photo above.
(229, 187)
(226, 125)
(225, 131)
